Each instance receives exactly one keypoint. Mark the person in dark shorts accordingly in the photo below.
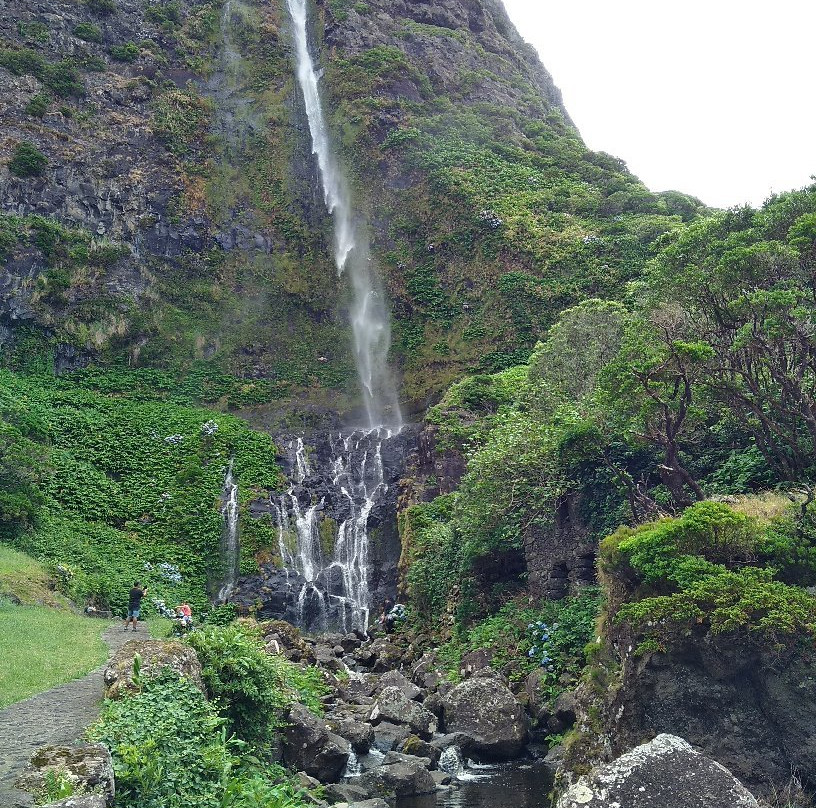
(135, 604)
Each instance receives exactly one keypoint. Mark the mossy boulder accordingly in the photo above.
(154, 657)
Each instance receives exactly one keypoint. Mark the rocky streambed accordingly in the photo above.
(395, 727)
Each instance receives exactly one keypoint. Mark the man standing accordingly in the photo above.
(134, 604)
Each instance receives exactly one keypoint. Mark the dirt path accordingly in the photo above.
(57, 716)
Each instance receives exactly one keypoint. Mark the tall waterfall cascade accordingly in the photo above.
(230, 542)
(369, 313)
(327, 558)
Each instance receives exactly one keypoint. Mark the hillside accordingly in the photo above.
(174, 220)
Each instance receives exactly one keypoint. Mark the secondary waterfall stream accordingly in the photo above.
(369, 313)
(230, 546)
(328, 558)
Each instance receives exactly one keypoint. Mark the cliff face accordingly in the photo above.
(180, 222)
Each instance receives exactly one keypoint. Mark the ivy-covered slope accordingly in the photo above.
(161, 205)
(112, 489)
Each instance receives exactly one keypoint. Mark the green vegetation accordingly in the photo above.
(252, 688)
(27, 161)
(550, 636)
(38, 105)
(124, 53)
(172, 748)
(59, 77)
(104, 8)
(50, 647)
(110, 490)
(26, 580)
(716, 569)
(34, 31)
(88, 32)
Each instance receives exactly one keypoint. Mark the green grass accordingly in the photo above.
(42, 647)
(27, 579)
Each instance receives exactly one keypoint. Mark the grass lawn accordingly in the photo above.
(42, 647)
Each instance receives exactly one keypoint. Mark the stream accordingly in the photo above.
(499, 785)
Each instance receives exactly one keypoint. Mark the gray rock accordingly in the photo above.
(358, 733)
(388, 736)
(81, 801)
(310, 747)
(346, 792)
(664, 772)
(414, 745)
(401, 775)
(375, 803)
(399, 680)
(484, 710)
(87, 766)
(393, 705)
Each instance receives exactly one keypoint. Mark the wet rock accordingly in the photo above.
(387, 654)
(358, 733)
(346, 792)
(87, 766)
(484, 710)
(415, 746)
(156, 655)
(401, 775)
(434, 703)
(388, 736)
(375, 803)
(81, 801)
(392, 705)
(310, 747)
(665, 771)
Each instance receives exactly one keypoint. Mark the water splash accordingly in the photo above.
(230, 541)
(334, 568)
(369, 315)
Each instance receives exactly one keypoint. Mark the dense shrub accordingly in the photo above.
(27, 161)
(38, 105)
(125, 53)
(170, 750)
(251, 688)
(88, 32)
(102, 7)
(550, 636)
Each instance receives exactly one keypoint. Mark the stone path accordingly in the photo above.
(58, 716)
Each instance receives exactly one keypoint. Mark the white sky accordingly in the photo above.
(716, 98)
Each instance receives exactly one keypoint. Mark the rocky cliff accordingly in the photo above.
(165, 213)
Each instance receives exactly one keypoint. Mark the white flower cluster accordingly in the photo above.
(490, 218)
(175, 440)
(209, 428)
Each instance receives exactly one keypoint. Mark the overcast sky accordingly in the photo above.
(716, 98)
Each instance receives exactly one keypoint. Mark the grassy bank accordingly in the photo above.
(43, 647)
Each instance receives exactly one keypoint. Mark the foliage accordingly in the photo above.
(124, 53)
(102, 7)
(180, 120)
(38, 105)
(117, 501)
(27, 161)
(59, 77)
(703, 568)
(520, 638)
(88, 32)
(251, 688)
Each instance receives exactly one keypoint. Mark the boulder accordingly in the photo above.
(375, 803)
(414, 745)
(387, 655)
(309, 746)
(156, 655)
(358, 733)
(402, 775)
(388, 736)
(394, 706)
(485, 711)
(664, 772)
(345, 792)
(401, 682)
(87, 766)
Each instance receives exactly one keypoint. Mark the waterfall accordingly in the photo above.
(330, 557)
(369, 314)
(230, 543)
